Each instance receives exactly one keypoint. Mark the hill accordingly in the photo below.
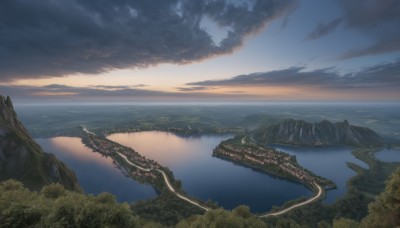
(299, 132)
(21, 158)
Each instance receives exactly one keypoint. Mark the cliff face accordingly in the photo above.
(21, 158)
(298, 132)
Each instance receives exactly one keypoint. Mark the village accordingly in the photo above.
(269, 160)
(110, 148)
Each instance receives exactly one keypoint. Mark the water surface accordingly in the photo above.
(207, 177)
(388, 155)
(95, 173)
(329, 162)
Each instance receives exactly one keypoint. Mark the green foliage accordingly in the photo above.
(324, 224)
(56, 207)
(239, 217)
(166, 209)
(286, 223)
(53, 191)
(345, 223)
(242, 211)
(385, 211)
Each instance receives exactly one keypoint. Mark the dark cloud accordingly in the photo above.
(55, 86)
(324, 29)
(119, 86)
(383, 75)
(380, 47)
(192, 88)
(40, 38)
(289, 76)
(62, 90)
(367, 14)
(109, 87)
(378, 19)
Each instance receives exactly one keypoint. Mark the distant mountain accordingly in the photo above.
(21, 158)
(299, 132)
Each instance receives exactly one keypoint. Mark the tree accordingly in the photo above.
(345, 223)
(385, 211)
(53, 190)
(238, 218)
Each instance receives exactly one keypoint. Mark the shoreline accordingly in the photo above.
(145, 169)
(167, 182)
(303, 203)
(318, 190)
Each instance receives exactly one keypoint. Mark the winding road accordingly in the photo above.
(172, 189)
(86, 130)
(169, 185)
(283, 211)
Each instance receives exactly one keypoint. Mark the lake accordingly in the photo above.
(327, 161)
(388, 155)
(206, 177)
(95, 173)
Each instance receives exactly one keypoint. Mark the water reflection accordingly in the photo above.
(95, 173)
(388, 155)
(207, 177)
(164, 147)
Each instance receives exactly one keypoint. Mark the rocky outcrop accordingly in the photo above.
(8, 119)
(298, 132)
(21, 158)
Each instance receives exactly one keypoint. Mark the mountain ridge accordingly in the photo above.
(299, 132)
(21, 158)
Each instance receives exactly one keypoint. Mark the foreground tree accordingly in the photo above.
(56, 207)
(385, 211)
(237, 218)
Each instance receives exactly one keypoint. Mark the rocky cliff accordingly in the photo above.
(21, 158)
(298, 132)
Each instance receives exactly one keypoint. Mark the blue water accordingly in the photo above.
(329, 162)
(206, 177)
(203, 176)
(388, 155)
(95, 173)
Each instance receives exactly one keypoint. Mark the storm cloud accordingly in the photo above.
(378, 19)
(45, 38)
(379, 76)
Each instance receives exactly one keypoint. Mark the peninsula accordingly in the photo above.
(270, 161)
(137, 166)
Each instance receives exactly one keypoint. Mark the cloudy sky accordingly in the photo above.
(203, 50)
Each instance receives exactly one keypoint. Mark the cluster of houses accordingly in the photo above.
(143, 174)
(264, 156)
(258, 155)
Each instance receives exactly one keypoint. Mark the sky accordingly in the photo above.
(204, 50)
